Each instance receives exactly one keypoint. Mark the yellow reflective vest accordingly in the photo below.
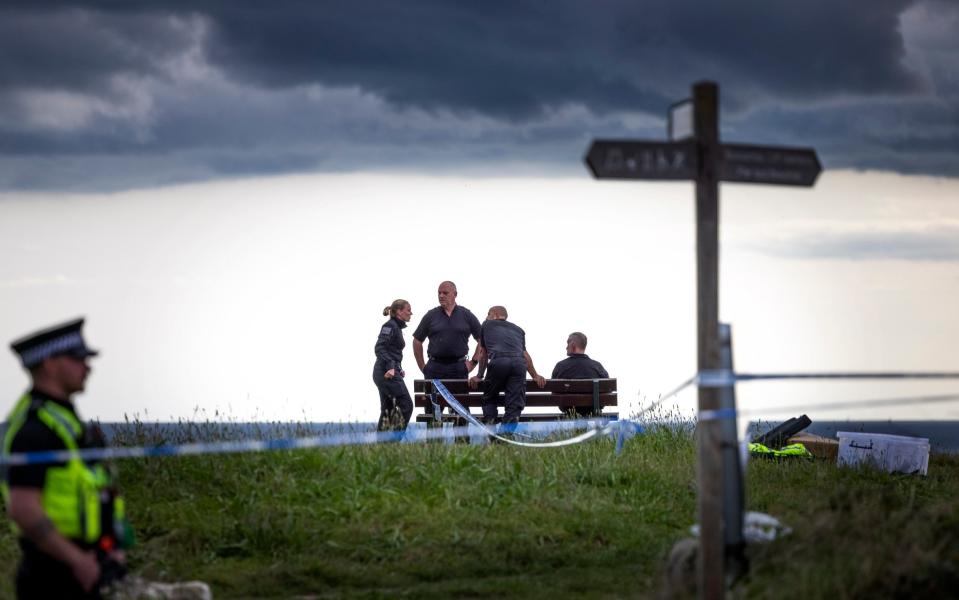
(796, 450)
(73, 492)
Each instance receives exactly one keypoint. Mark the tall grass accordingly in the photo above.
(439, 520)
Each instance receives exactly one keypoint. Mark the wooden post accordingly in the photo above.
(733, 493)
(707, 161)
(709, 463)
(597, 406)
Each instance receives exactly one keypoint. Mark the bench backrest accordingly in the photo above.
(564, 393)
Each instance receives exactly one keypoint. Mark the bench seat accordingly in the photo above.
(596, 394)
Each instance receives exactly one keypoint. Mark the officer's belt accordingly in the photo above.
(495, 355)
(444, 360)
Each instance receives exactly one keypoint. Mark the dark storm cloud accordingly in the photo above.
(249, 87)
(513, 58)
(78, 49)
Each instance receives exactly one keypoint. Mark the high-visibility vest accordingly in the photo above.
(72, 493)
(796, 450)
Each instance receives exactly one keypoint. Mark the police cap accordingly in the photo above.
(66, 338)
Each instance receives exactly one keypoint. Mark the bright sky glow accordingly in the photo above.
(261, 298)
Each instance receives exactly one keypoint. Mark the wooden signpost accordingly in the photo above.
(702, 158)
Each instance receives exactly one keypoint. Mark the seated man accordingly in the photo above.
(577, 365)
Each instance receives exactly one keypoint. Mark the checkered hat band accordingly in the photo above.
(35, 355)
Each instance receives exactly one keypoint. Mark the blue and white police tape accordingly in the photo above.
(675, 391)
(719, 414)
(621, 429)
(847, 404)
(723, 378)
(727, 377)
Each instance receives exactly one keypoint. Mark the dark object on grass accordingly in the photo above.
(111, 571)
(776, 437)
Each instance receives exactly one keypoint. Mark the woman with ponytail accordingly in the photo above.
(396, 407)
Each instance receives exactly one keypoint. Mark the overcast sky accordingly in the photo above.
(232, 191)
(126, 94)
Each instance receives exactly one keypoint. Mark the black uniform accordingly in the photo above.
(39, 574)
(448, 341)
(579, 366)
(393, 393)
(505, 345)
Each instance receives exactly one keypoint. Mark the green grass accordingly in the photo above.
(858, 533)
(437, 520)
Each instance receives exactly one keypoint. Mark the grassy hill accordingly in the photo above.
(437, 520)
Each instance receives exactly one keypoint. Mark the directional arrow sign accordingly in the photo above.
(620, 159)
(769, 164)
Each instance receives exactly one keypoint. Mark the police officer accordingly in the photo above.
(69, 520)
(396, 407)
(503, 349)
(448, 327)
(577, 365)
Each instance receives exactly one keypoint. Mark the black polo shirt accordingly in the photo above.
(579, 366)
(448, 335)
(502, 337)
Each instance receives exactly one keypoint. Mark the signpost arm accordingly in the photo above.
(710, 466)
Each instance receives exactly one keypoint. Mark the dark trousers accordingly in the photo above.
(396, 407)
(48, 578)
(437, 370)
(505, 375)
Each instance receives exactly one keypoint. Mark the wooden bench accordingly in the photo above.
(597, 394)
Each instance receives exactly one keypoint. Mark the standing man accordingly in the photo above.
(448, 327)
(67, 514)
(577, 365)
(70, 521)
(503, 348)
